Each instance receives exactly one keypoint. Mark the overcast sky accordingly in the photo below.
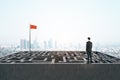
(65, 21)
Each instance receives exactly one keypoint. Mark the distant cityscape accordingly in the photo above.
(51, 44)
(47, 45)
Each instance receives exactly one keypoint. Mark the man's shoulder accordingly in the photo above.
(89, 42)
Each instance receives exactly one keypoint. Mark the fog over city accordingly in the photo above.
(64, 24)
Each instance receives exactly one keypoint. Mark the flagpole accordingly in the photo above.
(29, 40)
(31, 27)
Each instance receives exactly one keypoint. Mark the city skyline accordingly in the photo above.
(49, 44)
(65, 21)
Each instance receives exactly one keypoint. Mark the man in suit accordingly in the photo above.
(89, 50)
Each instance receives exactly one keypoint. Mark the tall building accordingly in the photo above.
(50, 44)
(45, 45)
(24, 44)
(35, 44)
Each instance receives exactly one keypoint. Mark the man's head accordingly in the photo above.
(88, 38)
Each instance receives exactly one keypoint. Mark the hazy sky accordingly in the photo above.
(62, 20)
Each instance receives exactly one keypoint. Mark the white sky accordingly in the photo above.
(62, 20)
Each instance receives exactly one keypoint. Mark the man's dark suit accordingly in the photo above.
(89, 51)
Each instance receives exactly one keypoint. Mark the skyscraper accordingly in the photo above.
(24, 44)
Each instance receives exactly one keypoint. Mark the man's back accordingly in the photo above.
(89, 46)
(89, 50)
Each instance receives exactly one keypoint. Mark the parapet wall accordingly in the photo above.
(59, 71)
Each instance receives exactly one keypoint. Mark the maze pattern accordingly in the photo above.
(52, 57)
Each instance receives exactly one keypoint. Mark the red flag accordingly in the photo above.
(33, 26)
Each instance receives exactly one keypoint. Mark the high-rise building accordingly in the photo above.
(24, 44)
(35, 44)
(50, 44)
(45, 45)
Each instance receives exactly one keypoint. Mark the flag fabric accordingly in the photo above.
(33, 26)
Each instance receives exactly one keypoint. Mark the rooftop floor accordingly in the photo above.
(53, 57)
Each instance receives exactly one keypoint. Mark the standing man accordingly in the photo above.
(89, 50)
